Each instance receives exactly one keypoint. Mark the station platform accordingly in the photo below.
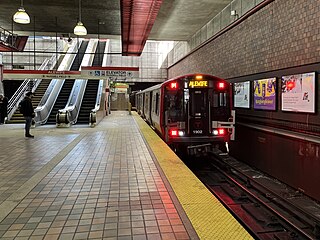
(118, 180)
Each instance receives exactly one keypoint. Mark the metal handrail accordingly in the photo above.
(37, 82)
(100, 93)
(5, 34)
(19, 94)
(28, 84)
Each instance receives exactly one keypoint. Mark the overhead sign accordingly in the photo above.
(111, 73)
(115, 73)
(40, 74)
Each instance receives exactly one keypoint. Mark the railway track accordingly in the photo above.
(264, 211)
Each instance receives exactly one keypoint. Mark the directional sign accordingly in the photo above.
(40, 74)
(115, 73)
(119, 73)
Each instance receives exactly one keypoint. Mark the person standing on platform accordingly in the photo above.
(26, 109)
(3, 108)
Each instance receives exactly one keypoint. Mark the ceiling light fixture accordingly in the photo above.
(21, 16)
(80, 29)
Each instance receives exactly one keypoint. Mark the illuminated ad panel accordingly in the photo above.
(241, 93)
(298, 93)
(264, 94)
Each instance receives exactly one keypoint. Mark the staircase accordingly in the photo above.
(67, 86)
(17, 117)
(90, 95)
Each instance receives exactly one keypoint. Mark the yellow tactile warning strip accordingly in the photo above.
(209, 217)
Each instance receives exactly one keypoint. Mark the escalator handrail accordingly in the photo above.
(102, 83)
(73, 105)
(49, 98)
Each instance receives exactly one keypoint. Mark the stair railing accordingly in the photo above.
(51, 64)
(27, 85)
(7, 38)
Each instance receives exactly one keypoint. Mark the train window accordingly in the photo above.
(173, 103)
(157, 104)
(186, 95)
(223, 99)
(215, 100)
(147, 101)
(198, 103)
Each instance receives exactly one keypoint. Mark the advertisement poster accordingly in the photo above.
(298, 92)
(241, 93)
(264, 94)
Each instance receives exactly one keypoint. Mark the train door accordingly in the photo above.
(198, 112)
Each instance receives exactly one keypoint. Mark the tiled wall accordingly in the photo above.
(45, 48)
(152, 63)
(281, 35)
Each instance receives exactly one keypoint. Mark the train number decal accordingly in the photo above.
(197, 131)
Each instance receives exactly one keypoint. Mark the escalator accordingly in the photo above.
(98, 56)
(63, 96)
(90, 95)
(17, 117)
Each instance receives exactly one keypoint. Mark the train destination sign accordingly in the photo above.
(198, 84)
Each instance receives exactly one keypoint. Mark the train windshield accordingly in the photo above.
(198, 103)
(174, 106)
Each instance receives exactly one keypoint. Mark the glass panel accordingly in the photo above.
(173, 104)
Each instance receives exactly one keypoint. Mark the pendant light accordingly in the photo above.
(21, 16)
(80, 29)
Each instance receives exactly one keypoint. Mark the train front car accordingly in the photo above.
(197, 113)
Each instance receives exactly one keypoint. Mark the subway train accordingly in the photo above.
(191, 113)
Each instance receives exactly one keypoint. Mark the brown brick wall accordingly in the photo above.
(285, 33)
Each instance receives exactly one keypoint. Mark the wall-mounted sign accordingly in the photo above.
(40, 74)
(241, 93)
(264, 94)
(111, 73)
(116, 73)
(298, 92)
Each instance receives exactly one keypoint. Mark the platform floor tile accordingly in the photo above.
(81, 183)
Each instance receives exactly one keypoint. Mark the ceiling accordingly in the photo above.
(176, 19)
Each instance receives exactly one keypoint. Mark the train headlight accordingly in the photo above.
(219, 132)
(176, 133)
